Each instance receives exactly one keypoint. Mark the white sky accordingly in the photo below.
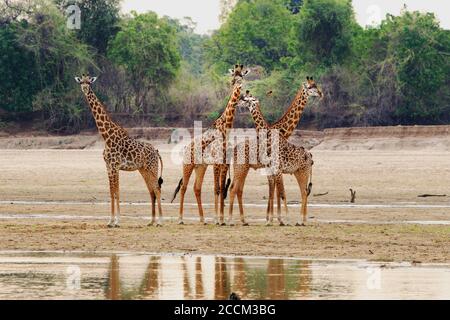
(206, 12)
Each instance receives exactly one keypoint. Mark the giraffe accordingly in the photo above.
(287, 159)
(213, 142)
(289, 121)
(123, 153)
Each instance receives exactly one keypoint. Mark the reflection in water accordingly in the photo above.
(128, 276)
(271, 279)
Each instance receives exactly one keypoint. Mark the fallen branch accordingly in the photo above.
(352, 195)
(320, 194)
(431, 195)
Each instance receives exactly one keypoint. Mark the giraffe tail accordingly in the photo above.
(310, 179)
(160, 180)
(177, 189)
(227, 186)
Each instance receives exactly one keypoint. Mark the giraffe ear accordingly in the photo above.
(78, 79)
(246, 72)
(92, 79)
(231, 71)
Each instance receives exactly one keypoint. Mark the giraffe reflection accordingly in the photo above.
(113, 288)
(205, 277)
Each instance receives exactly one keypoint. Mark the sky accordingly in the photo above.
(206, 12)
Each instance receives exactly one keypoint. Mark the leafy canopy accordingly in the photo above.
(147, 47)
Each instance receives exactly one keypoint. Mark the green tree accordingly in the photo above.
(190, 44)
(404, 68)
(323, 32)
(18, 69)
(146, 47)
(294, 5)
(420, 49)
(255, 33)
(59, 56)
(99, 21)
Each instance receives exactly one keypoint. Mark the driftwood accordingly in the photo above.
(320, 194)
(352, 195)
(431, 195)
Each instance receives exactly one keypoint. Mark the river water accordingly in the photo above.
(53, 275)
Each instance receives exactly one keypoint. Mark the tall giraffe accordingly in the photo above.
(289, 121)
(123, 153)
(300, 164)
(214, 139)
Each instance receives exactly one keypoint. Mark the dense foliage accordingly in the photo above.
(157, 70)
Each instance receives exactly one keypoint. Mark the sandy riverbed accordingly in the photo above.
(68, 188)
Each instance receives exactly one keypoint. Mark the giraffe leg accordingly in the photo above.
(117, 219)
(282, 192)
(302, 179)
(187, 172)
(240, 192)
(278, 192)
(223, 179)
(231, 201)
(113, 180)
(271, 196)
(199, 176)
(158, 200)
(216, 170)
(149, 179)
(268, 202)
(153, 199)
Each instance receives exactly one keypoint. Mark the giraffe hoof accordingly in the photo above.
(116, 226)
(298, 224)
(223, 224)
(158, 225)
(110, 225)
(245, 224)
(181, 223)
(231, 224)
(150, 224)
(282, 224)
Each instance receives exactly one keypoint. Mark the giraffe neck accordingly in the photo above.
(106, 127)
(225, 121)
(289, 121)
(258, 118)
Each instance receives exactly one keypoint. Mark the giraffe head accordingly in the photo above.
(249, 101)
(238, 73)
(311, 88)
(85, 81)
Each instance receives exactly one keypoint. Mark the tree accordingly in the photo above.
(99, 21)
(256, 33)
(146, 47)
(405, 70)
(226, 6)
(323, 32)
(421, 50)
(294, 6)
(58, 56)
(18, 70)
(190, 44)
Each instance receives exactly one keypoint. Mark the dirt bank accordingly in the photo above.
(372, 242)
(370, 138)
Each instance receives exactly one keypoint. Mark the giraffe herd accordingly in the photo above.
(269, 150)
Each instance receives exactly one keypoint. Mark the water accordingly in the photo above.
(46, 275)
